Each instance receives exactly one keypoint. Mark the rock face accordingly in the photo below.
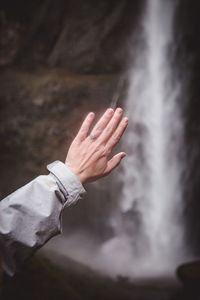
(58, 61)
(40, 114)
(188, 29)
(82, 36)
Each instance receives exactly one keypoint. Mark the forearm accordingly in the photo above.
(32, 215)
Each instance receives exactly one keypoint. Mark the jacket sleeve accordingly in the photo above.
(31, 216)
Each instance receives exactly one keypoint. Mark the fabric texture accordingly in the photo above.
(30, 216)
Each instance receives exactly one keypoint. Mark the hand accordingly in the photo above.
(88, 155)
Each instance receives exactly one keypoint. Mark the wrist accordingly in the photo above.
(78, 174)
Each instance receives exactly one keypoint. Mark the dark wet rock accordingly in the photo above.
(188, 42)
(40, 114)
(189, 275)
(45, 47)
(59, 277)
(83, 36)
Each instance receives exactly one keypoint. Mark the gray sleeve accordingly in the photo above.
(31, 216)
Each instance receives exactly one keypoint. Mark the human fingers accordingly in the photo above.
(102, 123)
(112, 125)
(114, 162)
(114, 139)
(83, 131)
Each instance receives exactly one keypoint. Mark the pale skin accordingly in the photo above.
(89, 155)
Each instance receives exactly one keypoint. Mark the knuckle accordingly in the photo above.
(98, 147)
(115, 139)
(106, 151)
(98, 130)
(117, 117)
(109, 129)
(102, 150)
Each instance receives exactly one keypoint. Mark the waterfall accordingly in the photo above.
(149, 229)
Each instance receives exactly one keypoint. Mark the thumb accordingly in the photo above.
(114, 162)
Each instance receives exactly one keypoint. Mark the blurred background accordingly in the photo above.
(60, 60)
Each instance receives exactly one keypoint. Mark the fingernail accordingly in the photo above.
(119, 110)
(123, 155)
(126, 120)
(91, 114)
(110, 110)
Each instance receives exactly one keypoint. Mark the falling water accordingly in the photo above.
(149, 232)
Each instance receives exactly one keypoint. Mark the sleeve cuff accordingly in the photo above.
(67, 181)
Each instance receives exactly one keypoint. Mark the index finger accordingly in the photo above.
(85, 127)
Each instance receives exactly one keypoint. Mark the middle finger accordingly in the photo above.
(112, 125)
